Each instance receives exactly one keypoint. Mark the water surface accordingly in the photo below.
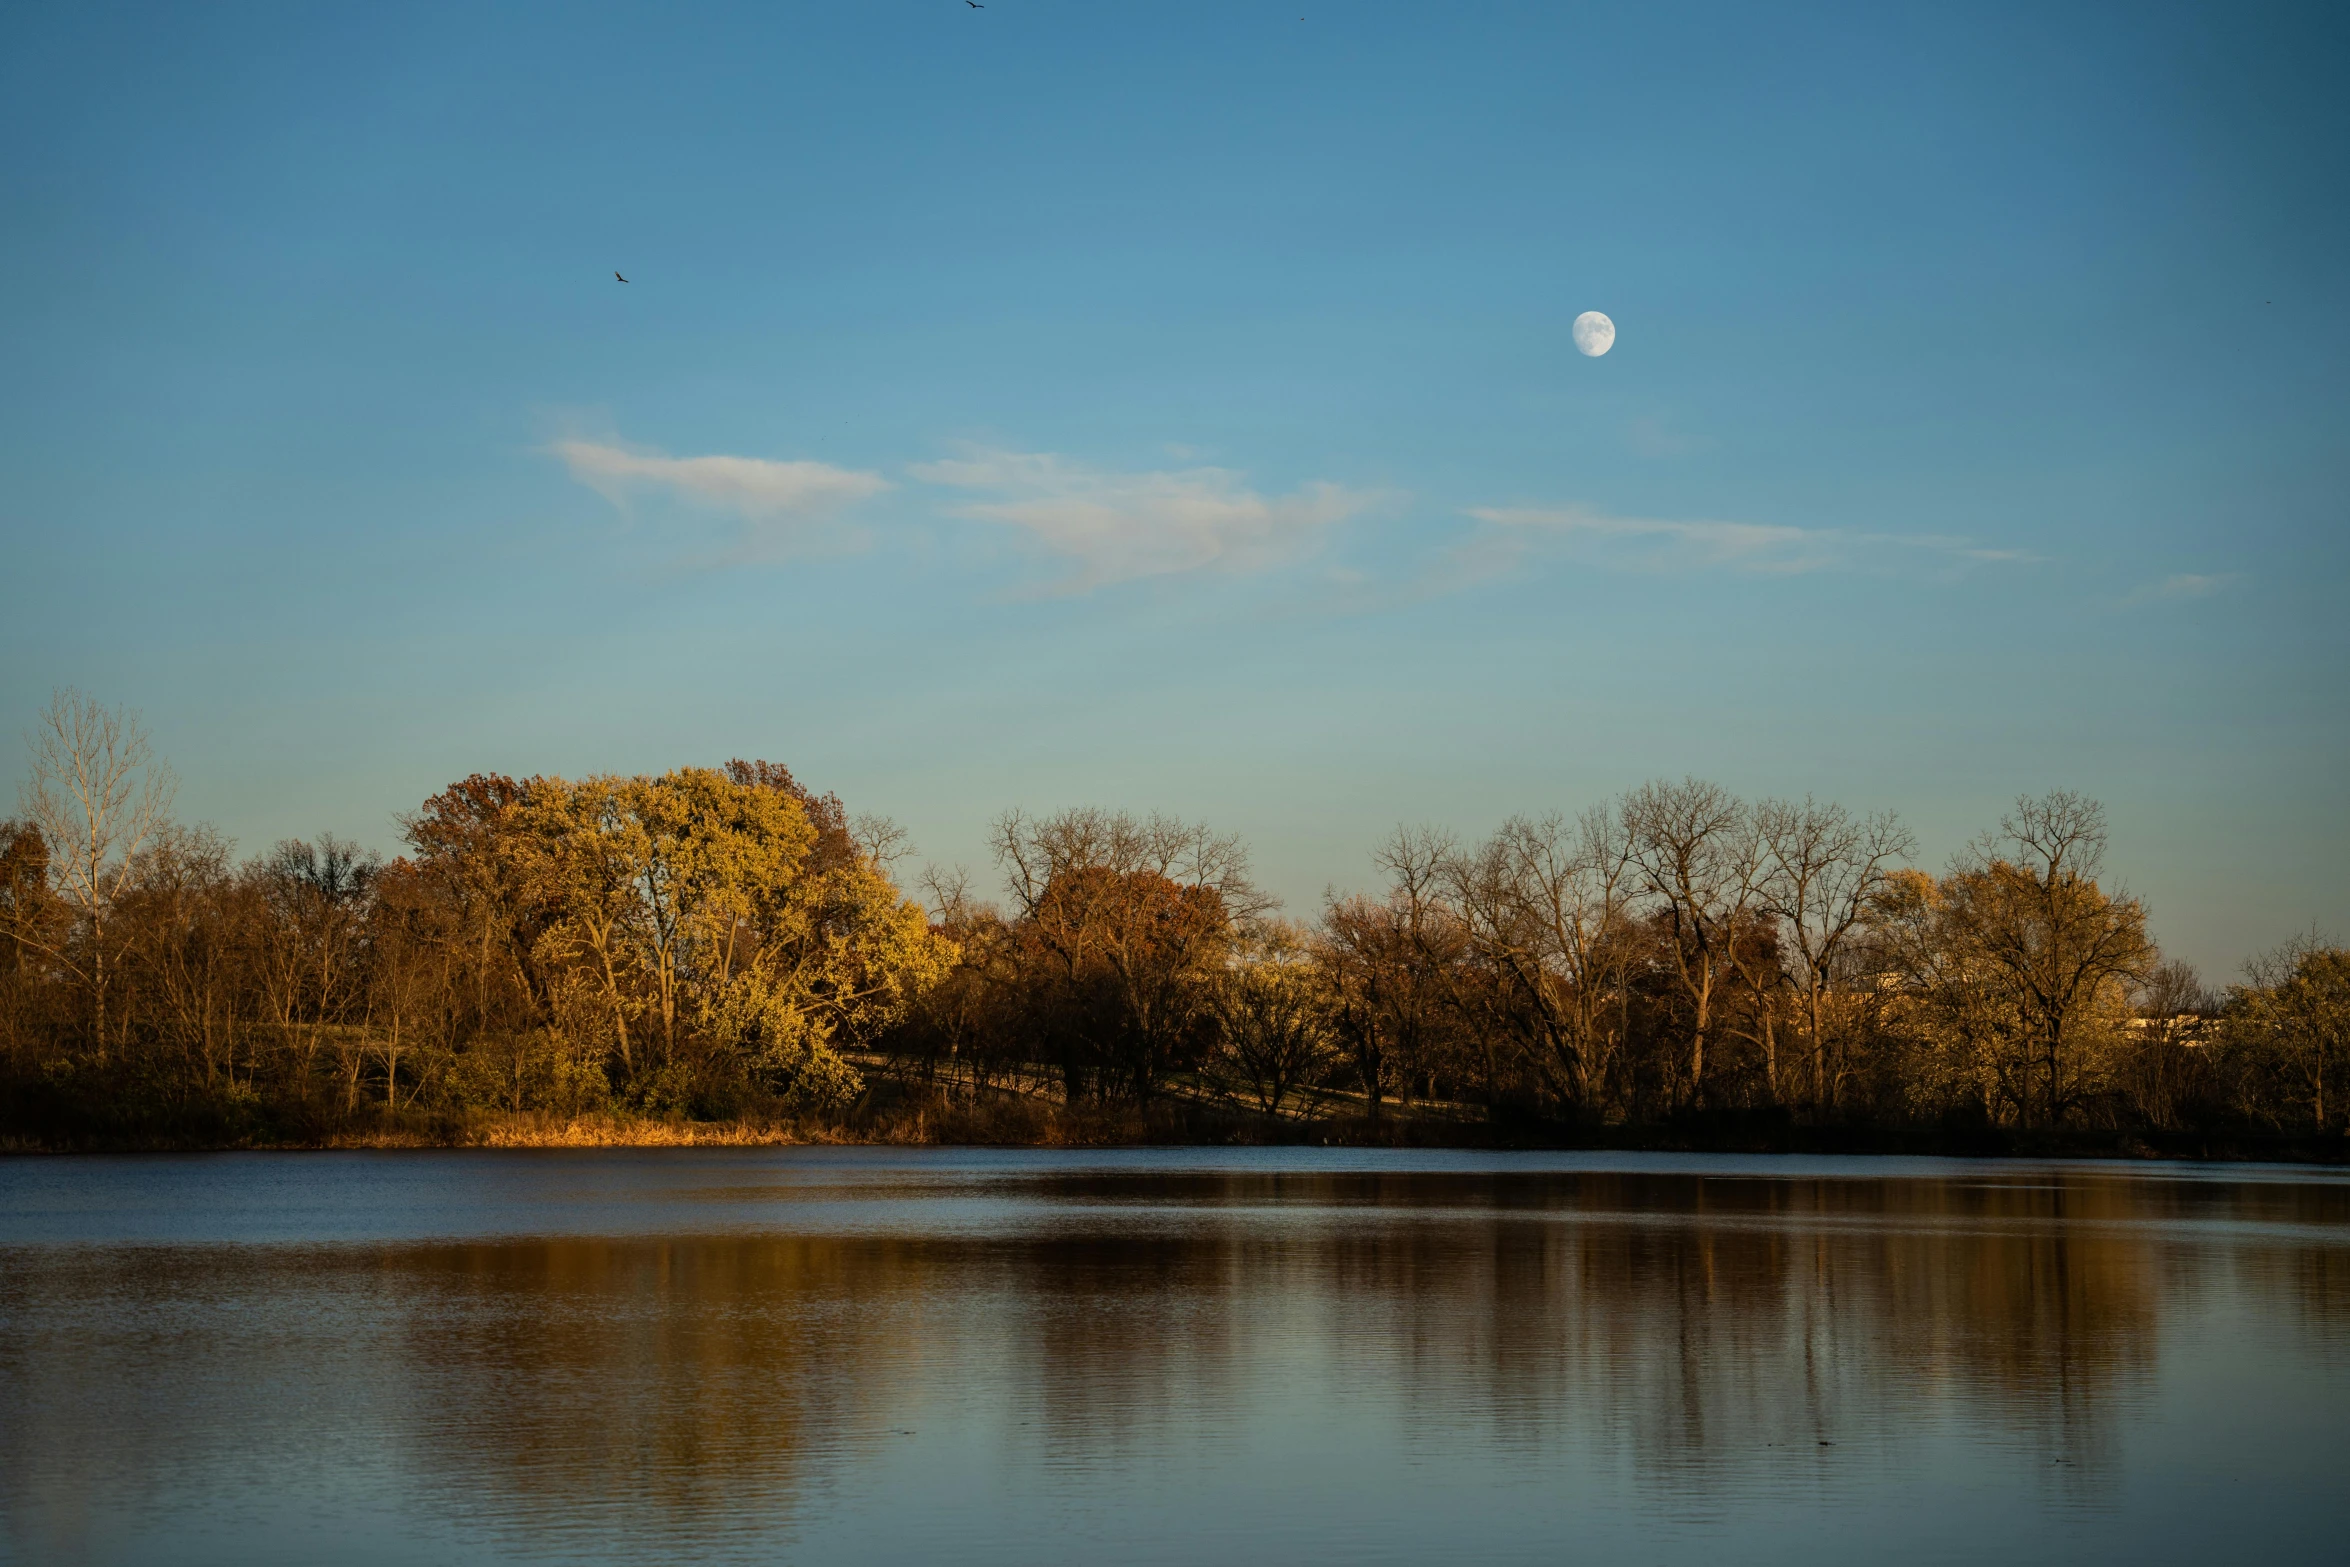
(1168, 1356)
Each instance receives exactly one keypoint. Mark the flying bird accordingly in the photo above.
(974, 5)
(618, 277)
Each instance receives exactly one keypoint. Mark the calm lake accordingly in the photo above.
(1221, 1356)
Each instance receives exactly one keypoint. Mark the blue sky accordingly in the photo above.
(1173, 408)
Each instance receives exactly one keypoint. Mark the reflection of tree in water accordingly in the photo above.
(1837, 1311)
(2315, 1278)
(1701, 1319)
(678, 1385)
(2321, 1289)
(1110, 1340)
(1692, 1319)
(704, 1390)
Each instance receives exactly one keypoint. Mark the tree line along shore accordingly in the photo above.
(719, 954)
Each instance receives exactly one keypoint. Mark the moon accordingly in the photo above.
(1595, 334)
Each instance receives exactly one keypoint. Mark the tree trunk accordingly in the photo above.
(1819, 1054)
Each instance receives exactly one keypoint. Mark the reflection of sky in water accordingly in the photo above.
(1167, 1356)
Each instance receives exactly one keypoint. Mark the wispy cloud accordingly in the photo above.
(2183, 586)
(779, 501)
(1659, 544)
(1116, 526)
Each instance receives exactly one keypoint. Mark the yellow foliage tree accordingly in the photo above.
(696, 902)
(2020, 961)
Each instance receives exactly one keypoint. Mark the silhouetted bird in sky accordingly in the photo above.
(974, 5)
(619, 278)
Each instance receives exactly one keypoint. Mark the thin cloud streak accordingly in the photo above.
(2181, 587)
(786, 507)
(754, 487)
(1116, 526)
(1663, 545)
(1660, 544)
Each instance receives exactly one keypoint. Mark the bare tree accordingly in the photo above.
(1034, 850)
(1544, 902)
(1390, 966)
(181, 918)
(1825, 869)
(315, 898)
(1376, 988)
(879, 839)
(1429, 997)
(950, 897)
(2165, 1053)
(97, 794)
(1695, 846)
(1274, 1016)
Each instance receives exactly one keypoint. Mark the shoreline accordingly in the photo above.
(937, 1120)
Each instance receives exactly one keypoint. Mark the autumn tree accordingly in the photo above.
(583, 855)
(1123, 921)
(476, 886)
(834, 955)
(2291, 1021)
(2019, 959)
(715, 940)
(33, 927)
(708, 911)
(967, 1023)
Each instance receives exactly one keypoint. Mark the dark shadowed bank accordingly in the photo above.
(897, 1112)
